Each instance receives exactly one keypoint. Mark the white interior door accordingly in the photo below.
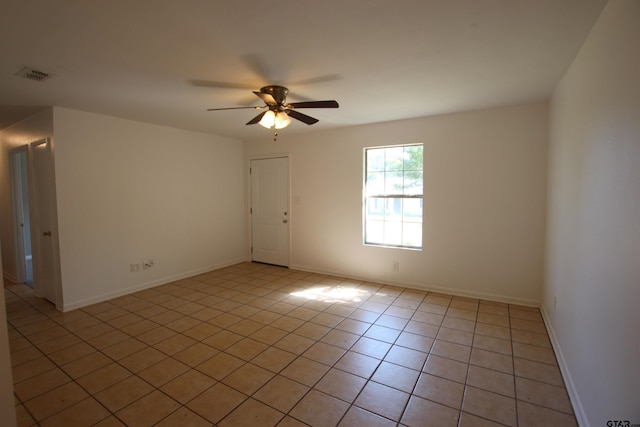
(270, 216)
(44, 236)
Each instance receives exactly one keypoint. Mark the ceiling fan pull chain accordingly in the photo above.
(275, 135)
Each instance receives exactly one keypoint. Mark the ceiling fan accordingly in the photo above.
(278, 111)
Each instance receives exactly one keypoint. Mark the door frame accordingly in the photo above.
(249, 201)
(36, 232)
(17, 202)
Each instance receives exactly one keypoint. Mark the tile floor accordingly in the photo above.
(257, 345)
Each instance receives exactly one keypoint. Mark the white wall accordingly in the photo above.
(592, 258)
(484, 206)
(36, 127)
(7, 400)
(128, 191)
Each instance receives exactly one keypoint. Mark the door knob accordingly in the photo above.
(47, 234)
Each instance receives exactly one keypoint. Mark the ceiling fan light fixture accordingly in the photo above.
(282, 120)
(268, 120)
(279, 112)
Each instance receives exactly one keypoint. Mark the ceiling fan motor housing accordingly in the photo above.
(279, 93)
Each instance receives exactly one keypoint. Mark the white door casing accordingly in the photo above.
(46, 260)
(270, 216)
(20, 202)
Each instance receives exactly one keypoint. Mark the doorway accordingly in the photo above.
(19, 179)
(270, 216)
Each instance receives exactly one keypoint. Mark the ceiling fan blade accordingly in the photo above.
(220, 85)
(258, 65)
(266, 97)
(257, 118)
(233, 108)
(312, 80)
(314, 104)
(302, 117)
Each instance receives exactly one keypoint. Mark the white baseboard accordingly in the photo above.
(429, 288)
(578, 409)
(67, 306)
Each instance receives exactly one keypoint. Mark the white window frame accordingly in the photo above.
(385, 196)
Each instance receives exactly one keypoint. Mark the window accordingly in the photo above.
(393, 196)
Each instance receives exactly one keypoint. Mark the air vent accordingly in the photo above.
(33, 74)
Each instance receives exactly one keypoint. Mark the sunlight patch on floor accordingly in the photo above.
(333, 294)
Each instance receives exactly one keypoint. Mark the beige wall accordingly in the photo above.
(7, 400)
(484, 206)
(592, 257)
(129, 191)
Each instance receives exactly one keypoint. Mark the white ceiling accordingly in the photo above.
(380, 59)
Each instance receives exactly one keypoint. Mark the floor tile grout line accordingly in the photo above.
(398, 296)
(133, 374)
(513, 366)
(412, 393)
(330, 367)
(71, 379)
(225, 377)
(114, 361)
(310, 388)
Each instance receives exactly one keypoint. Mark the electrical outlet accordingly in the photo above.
(396, 266)
(147, 264)
(134, 267)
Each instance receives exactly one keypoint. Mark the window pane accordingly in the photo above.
(412, 234)
(394, 159)
(412, 211)
(393, 233)
(375, 160)
(375, 209)
(374, 232)
(393, 209)
(413, 183)
(393, 183)
(413, 158)
(375, 183)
